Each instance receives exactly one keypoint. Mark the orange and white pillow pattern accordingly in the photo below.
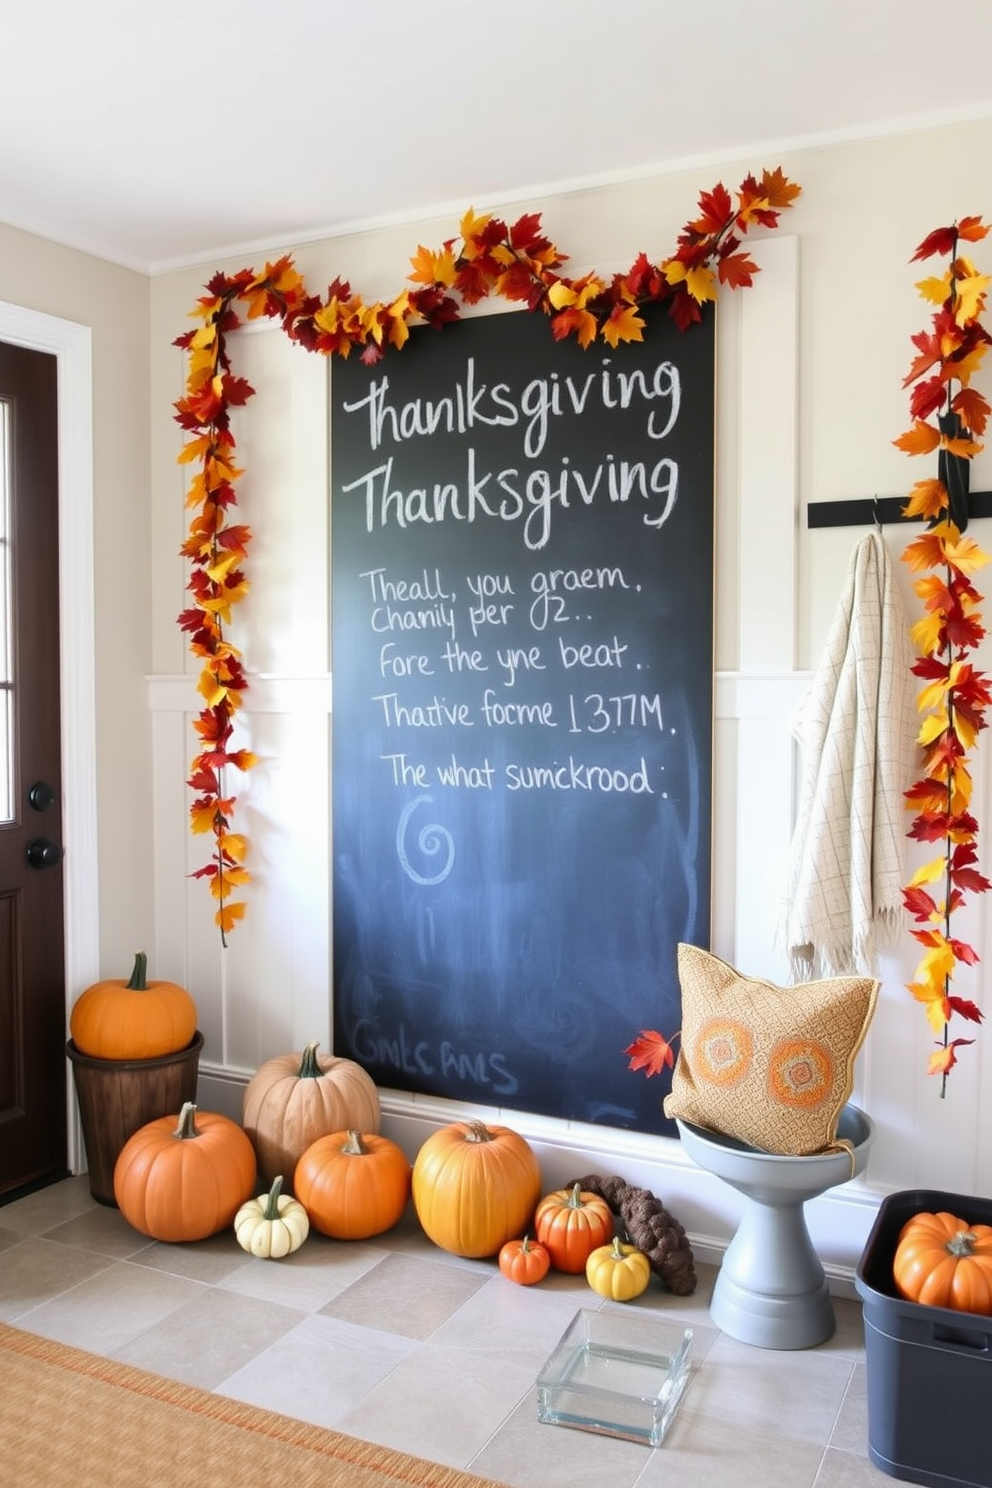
(770, 1066)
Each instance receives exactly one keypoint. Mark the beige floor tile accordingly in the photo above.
(103, 1230)
(35, 1271)
(850, 1433)
(844, 1470)
(102, 1312)
(209, 1261)
(406, 1295)
(441, 1403)
(38, 1212)
(795, 1394)
(704, 1452)
(309, 1278)
(528, 1454)
(318, 1370)
(208, 1339)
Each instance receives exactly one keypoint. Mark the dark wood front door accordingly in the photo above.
(32, 965)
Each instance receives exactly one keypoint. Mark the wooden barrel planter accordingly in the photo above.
(117, 1096)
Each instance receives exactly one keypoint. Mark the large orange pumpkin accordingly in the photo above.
(186, 1180)
(353, 1185)
(475, 1187)
(134, 1019)
(572, 1223)
(942, 1261)
(293, 1099)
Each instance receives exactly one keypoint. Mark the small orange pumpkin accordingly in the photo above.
(572, 1224)
(134, 1019)
(184, 1181)
(475, 1187)
(524, 1261)
(353, 1185)
(942, 1261)
(293, 1099)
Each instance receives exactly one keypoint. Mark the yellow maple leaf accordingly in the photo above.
(941, 1062)
(965, 555)
(210, 688)
(701, 284)
(971, 289)
(201, 816)
(227, 917)
(936, 291)
(222, 883)
(236, 846)
(930, 872)
(925, 632)
(931, 728)
(623, 324)
(926, 499)
(470, 227)
(967, 366)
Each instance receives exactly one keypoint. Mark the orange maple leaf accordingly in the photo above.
(921, 439)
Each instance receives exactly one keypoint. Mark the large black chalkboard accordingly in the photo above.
(522, 611)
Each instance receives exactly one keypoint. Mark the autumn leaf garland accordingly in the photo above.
(949, 418)
(517, 263)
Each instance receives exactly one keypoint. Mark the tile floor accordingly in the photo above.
(395, 1341)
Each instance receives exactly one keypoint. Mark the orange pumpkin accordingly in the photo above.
(942, 1261)
(184, 1181)
(572, 1224)
(134, 1019)
(524, 1261)
(475, 1187)
(353, 1185)
(293, 1099)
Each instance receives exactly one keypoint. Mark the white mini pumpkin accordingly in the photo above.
(273, 1225)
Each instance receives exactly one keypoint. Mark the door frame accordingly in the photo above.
(71, 343)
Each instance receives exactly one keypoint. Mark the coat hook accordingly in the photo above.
(875, 514)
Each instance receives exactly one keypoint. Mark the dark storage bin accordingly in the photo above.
(929, 1368)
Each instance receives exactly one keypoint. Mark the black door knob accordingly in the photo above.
(43, 854)
(41, 796)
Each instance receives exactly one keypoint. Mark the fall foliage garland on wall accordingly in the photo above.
(516, 263)
(949, 416)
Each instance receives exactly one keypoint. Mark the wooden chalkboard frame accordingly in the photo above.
(522, 651)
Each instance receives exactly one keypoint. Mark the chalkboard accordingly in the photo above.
(522, 613)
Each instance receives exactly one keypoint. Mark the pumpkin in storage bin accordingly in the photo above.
(184, 1180)
(134, 1018)
(353, 1185)
(475, 1187)
(942, 1261)
(293, 1099)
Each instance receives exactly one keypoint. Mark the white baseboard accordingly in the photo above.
(839, 1221)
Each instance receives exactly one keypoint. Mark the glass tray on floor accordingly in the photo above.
(616, 1374)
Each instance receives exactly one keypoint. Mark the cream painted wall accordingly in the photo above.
(812, 416)
(114, 303)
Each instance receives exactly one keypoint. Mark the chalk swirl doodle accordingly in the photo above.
(431, 840)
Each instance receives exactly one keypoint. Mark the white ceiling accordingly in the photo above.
(157, 134)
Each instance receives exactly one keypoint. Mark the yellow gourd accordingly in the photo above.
(618, 1272)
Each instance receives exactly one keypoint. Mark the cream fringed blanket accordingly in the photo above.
(856, 730)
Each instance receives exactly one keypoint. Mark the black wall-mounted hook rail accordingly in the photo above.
(866, 511)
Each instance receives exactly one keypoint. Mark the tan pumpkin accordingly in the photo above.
(475, 1187)
(293, 1099)
(186, 1180)
(353, 1185)
(133, 1019)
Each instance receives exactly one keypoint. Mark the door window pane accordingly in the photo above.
(6, 677)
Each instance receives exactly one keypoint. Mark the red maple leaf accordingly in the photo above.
(651, 1052)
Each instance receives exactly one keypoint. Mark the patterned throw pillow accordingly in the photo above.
(770, 1066)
